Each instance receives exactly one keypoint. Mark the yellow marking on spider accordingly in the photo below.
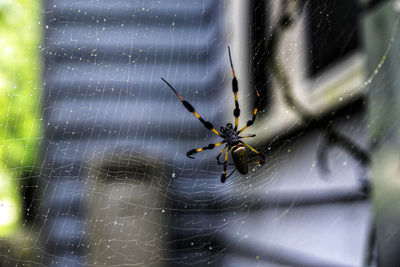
(244, 128)
(226, 159)
(255, 111)
(236, 97)
(196, 114)
(202, 148)
(215, 131)
(255, 151)
(222, 151)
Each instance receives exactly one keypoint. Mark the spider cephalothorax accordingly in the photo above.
(230, 134)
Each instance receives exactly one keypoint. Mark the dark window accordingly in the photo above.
(259, 50)
(333, 31)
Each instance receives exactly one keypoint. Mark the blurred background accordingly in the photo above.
(93, 166)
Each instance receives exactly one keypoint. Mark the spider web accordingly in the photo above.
(115, 186)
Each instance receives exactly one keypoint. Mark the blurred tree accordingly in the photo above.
(20, 112)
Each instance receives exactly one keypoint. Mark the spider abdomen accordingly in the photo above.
(239, 157)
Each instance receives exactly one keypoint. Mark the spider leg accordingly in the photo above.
(260, 155)
(230, 174)
(219, 155)
(235, 89)
(250, 122)
(247, 136)
(223, 175)
(189, 107)
(195, 151)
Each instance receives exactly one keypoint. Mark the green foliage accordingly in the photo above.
(20, 112)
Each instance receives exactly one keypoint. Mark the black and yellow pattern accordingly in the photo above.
(247, 136)
(189, 107)
(235, 89)
(223, 175)
(219, 155)
(230, 134)
(250, 122)
(209, 147)
(261, 156)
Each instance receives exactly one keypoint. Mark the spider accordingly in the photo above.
(230, 134)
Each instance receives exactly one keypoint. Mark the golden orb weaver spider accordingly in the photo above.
(230, 134)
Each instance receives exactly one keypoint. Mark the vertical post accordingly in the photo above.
(126, 210)
(381, 38)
